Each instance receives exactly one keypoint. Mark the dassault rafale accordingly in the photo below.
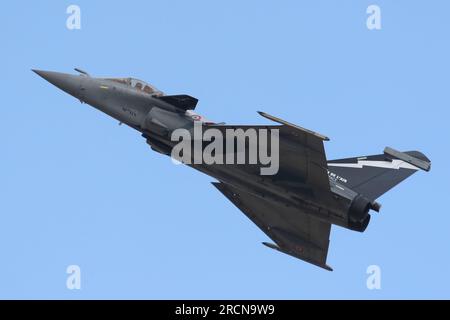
(277, 175)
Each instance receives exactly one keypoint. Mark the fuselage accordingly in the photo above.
(138, 104)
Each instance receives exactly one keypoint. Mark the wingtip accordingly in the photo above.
(271, 245)
(294, 126)
(327, 267)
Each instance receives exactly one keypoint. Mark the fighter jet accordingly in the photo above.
(294, 203)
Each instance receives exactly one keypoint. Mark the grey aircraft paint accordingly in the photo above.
(295, 207)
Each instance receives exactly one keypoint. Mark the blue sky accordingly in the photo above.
(76, 188)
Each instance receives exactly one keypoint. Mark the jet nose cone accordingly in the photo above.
(66, 82)
(50, 76)
(40, 72)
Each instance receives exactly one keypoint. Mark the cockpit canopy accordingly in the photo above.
(139, 85)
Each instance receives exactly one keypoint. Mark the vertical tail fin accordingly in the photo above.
(374, 175)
